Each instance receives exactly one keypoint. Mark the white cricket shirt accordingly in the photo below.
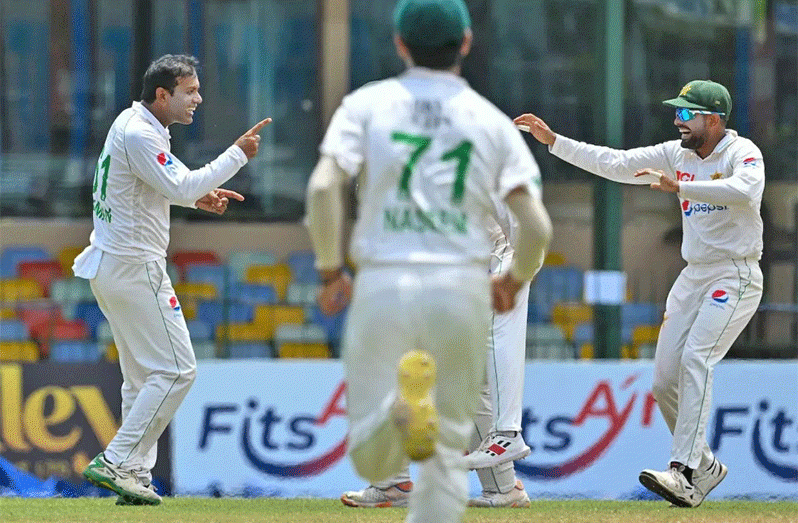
(437, 156)
(720, 195)
(136, 180)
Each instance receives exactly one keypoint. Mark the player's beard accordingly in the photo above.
(694, 141)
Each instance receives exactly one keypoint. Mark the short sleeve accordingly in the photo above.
(520, 168)
(344, 140)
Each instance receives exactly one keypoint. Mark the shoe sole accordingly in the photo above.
(383, 504)
(525, 504)
(500, 461)
(724, 471)
(415, 414)
(103, 482)
(648, 481)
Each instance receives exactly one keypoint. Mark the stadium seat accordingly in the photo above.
(8, 313)
(184, 259)
(43, 271)
(644, 334)
(301, 341)
(333, 327)
(646, 351)
(204, 349)
(66, 258)
(269, 317)
(553, 285)
(546, 341)
(62, 330)
(302, 294)
(303, 266)
(22, 351)
(250, 350)
(634, 314)
(568, 314)
(251, 293)
(235, 332)
(214, 313)
(19, 290)
(240, 261)
(71, 290)
(13, 330)
(12, 256)
(39, 316)
(76, 351)
(104, 333)
(213, 274)
(91, 315)
(303, 350)
(554, 258)
(278, 276)
(189, 294)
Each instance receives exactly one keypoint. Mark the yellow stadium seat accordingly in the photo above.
(111, 353)
(644, 334)
(19, 289)
(586, 351)
(303, 350)
(567, 315)
(190, 292)
(26, 351)
(554, 258)
(269, 317)
(7, 313)
(241, 332)
(66, 257)
(278, 276)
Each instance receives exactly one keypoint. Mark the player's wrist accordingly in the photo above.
(328, 276)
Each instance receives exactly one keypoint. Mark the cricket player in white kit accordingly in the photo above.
(136, 181)
(497, 440)
(433, 156)
(719, 178)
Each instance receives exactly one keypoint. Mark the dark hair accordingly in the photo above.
(164, 72)
(438, 57)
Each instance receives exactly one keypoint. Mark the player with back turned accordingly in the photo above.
(432, 156)
(136, 181)
(719, 178)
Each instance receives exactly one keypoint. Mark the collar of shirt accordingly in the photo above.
(424, 72)
(147, 115)
(724, 142)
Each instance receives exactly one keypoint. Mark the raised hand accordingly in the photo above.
(250, 140)
(216, 201)
(665, 183)
(537, 127)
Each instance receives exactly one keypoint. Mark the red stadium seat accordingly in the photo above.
(182, 259)
(44, 272)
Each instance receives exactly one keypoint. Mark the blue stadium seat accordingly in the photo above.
(239, 261)
(555, 284)
(252, 293)
(215, 274)
(91, 314)
(13, 330)
(74, 351)
(250, 350)
(303, 268)
(199, 330)
(214, 313)
(333, 327)
(583, 333)
(13, 255)
(634, 314)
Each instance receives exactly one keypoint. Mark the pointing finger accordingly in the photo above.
(258, 126)
(230, 194)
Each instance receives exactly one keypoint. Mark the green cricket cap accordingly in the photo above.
(431, 23)
(704, 95)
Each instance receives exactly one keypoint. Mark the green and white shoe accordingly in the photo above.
(104, 474)
(126, 500)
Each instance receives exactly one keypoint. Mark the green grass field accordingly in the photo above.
(202, 510)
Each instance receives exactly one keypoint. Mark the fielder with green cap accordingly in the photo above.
(436, 162)
(719, 178)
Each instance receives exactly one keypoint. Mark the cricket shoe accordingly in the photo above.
(124, 482)
(374, 497)
(709, 478)
(126, 500)
(496, 449)
(414, 412)
(516, 498)
(671, 485)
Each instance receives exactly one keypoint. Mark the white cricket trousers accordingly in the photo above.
(440, 309)
(155, 355)
(707, 308)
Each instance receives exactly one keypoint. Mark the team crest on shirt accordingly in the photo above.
(164, 159)
(174, 304)
(750, 162)
(717, 176)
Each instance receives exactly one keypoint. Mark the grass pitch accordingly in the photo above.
(263, 510)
